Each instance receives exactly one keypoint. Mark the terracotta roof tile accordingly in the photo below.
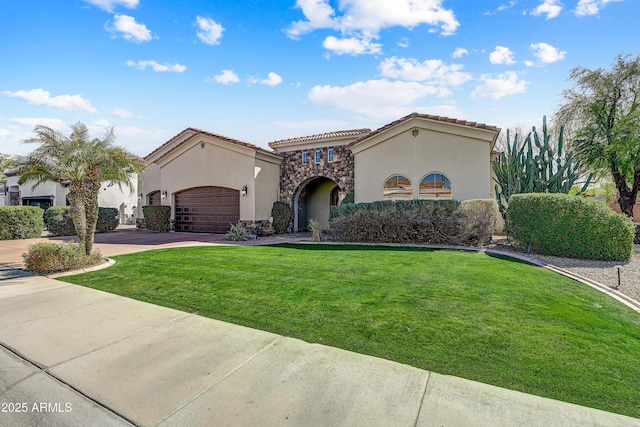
(335, 134)
(426, 116)
(197, 132)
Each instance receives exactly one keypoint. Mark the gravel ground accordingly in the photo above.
(605, 272)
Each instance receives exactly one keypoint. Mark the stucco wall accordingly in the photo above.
(265, 191)
(319, 204)
(463, 159)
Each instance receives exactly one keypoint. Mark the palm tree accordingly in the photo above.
(82, 165)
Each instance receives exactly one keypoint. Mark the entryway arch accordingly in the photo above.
(313, 200)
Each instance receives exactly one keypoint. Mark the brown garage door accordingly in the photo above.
(207, 209)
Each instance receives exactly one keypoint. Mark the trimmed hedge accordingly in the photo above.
(59, 222)
(48, 258)
(281, 214)
(108, 220)
(157, 218)
(415, 221)
(20, 222)
(569, 226)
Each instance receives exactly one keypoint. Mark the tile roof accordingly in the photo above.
(430, 117)
(335, 134)
(197, 132)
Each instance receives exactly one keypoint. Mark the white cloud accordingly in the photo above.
(56, 124)
(5, 133)
(502, 8)
(433, 71)
(459, 52)
(109, 5)
(505, 84)
(591, 7)
(546, 53)
(210, 31)
(158, 68)
(404, 42)
(364, 19)
(351, 45)
(551, 8)
(374, 98)
(43, 97)
(103, 123)
(272, 80)
(502, 55)
(130, 29)
(529, 63)
(124, 114)
(128, 131)
(226, 77)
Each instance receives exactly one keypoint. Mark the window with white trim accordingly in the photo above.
(305, 158)
(435, 186)
(397, 187)
(317, 156)
(330, 155)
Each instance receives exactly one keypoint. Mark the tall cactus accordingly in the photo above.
(525, 170)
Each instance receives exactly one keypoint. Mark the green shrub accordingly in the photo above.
(59, 222)
(349, 198)
(157, 218)
(238, 233)
(413, 221)
(569, 226)
(108, 220)
(47, 258)
(21, 222)
(282, 214)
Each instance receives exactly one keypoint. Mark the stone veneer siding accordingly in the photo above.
(293, 173)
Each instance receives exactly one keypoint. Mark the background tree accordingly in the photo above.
(535, 164)
(82, 164)
(602, 114)
(6, 163)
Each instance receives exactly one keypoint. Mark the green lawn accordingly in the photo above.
(460, 313)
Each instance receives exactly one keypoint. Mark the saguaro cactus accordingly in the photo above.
(542, 169)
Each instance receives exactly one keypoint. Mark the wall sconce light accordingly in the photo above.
(415, 132)
(164, 194)
(139, 196)
(244, 191)
(202, 145)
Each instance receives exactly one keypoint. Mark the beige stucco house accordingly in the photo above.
(210, 180)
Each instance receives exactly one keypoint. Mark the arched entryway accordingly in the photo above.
(313, 200)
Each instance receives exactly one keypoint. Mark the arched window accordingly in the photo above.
(397, 187)
(435, 186)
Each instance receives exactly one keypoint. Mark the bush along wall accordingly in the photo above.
(414, 221)
(282, 215)
(21, 222)
(569, 226)
(59, 222)
(157, 218)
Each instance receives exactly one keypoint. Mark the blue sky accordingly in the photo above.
(259, 70)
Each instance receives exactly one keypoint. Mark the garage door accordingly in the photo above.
(207, 209)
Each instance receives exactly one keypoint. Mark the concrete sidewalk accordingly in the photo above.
(73, 356)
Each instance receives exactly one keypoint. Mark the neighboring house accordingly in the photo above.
(50, 194)
(210, 180)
